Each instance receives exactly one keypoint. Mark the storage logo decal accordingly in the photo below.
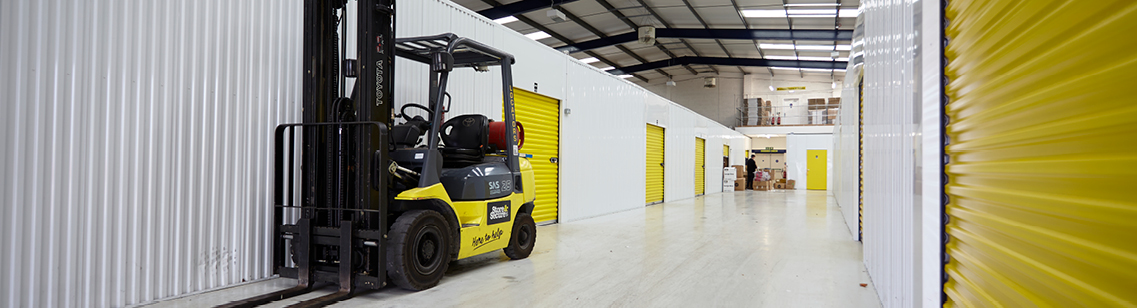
(498, 212)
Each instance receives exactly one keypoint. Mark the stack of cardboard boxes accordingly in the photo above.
(755, 112)
(834, 104)
(740, 177)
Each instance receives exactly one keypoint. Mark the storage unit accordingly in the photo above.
(1042, 210)
(653, 168)
(700, 166)
(540, 118)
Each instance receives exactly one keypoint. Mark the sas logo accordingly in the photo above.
(498, 212)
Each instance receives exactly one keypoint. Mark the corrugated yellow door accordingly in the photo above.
(654, 167)
(725, 151)
(700, 166)
(540, 117)
(1043, 153)
(816, 172)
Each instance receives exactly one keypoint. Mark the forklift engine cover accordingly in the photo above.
(489, 180)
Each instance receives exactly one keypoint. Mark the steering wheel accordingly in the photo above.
(408, 118)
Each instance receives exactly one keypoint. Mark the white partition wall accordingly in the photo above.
(901, 233)
(136, 140)
(138, 137)
(797, 161)
(603, 145)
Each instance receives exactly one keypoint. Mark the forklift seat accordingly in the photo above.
(407, 135)
(465, 138)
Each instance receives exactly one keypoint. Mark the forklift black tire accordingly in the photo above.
(523, 238)
(417, 250)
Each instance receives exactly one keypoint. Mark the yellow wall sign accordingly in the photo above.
(791, 88)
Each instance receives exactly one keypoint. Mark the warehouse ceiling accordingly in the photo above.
(694, 37)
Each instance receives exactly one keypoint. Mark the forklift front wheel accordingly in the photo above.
(523, 238)
(417, 254)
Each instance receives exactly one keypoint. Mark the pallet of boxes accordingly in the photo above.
(739, 173)
(760, 185)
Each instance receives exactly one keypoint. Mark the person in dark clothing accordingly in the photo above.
(751, 166)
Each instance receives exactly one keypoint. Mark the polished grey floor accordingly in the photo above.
(734, 249)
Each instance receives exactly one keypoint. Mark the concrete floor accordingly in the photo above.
(734, 249)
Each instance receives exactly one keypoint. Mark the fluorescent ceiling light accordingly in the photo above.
(814, 47)
(763, 13)
(589, 60)
(816, 13)
(803, 47)
(811, 4)
(606, 68)
(809, 12)
(817, 70)
(777, 46)
(624, 76)
(806, 58)
(538, 35)
(505, 20)
(784, 68)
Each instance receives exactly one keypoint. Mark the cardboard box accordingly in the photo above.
(790, 184)
(730, 173)
(761, 185)
(780, 186)
(783, 181)
(740, 170)
(739, 185)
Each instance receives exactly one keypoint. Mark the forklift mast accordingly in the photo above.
(334, 220)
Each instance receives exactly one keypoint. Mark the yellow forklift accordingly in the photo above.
(359, 200)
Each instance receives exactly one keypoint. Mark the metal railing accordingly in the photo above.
(804, 115)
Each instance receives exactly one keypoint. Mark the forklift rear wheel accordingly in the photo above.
(417, 254)
(523, 237)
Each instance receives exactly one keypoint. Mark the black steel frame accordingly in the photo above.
(338, 238)
(444, 52)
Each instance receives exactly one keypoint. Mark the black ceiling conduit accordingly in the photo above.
(720, 34)
(520, 7)
(729, 61)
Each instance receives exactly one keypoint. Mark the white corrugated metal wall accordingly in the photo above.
(888, 163)
(140, 137)
(901, 150)
(846, 133)
(137, 145)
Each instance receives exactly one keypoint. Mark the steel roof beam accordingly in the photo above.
(668, 25)
(520, 7)
(716, 34)
(706, 26)
(600, 34)
(729, 62)
(619, 15)
(562, 38)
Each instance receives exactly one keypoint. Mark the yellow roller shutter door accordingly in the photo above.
(540, 117)
(700, 168)
(654, 167)
(1043, 156)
